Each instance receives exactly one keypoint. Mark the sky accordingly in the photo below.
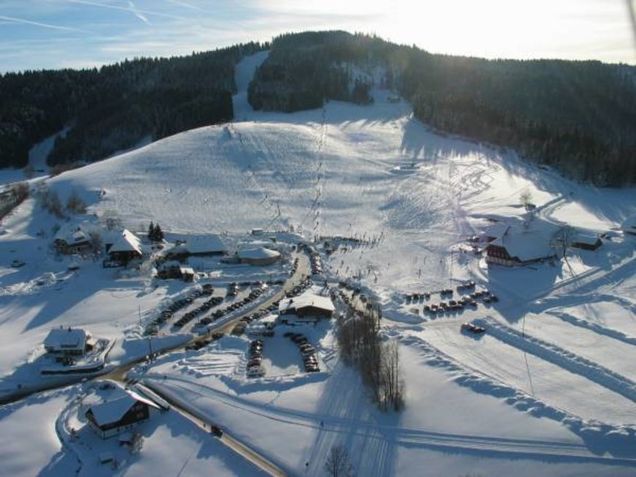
(36, 34)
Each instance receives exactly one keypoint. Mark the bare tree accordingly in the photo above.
(358, 335)
(526, 199)
(392, 385)
(338, 464)
(75, 204)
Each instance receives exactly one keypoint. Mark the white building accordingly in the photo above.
(258, 256)
(66, 341)
(306, 307)
(200, 245)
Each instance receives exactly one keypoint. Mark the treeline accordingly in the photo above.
(116, 106)
(303, 70)
(578, 117)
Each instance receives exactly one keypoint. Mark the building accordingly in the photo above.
(119, 413)
(71, 239)
(125, 247)
(174, 269)
(523, 243)
(66, 341)
(307, 307)
(258, 256)
(199, 246)
(586, 241)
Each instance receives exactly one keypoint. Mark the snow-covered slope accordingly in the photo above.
(376, 174)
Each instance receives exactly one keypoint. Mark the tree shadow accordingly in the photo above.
(368, 435)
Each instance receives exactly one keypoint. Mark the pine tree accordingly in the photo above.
(158, 234)
(151, 231)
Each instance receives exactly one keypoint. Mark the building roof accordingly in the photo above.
(66, 338)
(126, 242)
(113, 410)
(257, 253)
(73, 234)
(585, 237)
(201, 244)
(307, 299)
(528, 241)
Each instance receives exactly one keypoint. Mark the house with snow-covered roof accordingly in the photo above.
(74, 238)
(119, 413)
(523, 242)
(308, 306)
(200, 245)
(125, 246)
(585, 240)
(66, 341)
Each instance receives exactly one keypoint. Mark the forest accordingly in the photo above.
(576, 116)
(114, 107)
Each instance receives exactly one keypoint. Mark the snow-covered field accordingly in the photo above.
(548, 390)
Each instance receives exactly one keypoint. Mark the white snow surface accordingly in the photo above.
(549, 390)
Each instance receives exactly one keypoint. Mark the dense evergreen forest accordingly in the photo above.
(579, 117)
(116, 106)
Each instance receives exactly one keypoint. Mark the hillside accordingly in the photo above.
(575, 116)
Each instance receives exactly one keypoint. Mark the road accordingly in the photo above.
(201, 421)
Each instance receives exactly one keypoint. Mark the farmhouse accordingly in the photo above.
(71, 239)
(201, 246)
(119, 413)
(307, 307)
(258, 256)
(523, 243)
(125, 247)
(66, 341)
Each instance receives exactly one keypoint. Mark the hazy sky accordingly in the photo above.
(77, 33)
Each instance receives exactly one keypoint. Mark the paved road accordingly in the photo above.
(204, 423)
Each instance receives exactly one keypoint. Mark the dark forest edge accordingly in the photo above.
(576, 116)
(115, 107)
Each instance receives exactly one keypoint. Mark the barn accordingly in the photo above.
(258, 256)
(119, 413)
(307, 307)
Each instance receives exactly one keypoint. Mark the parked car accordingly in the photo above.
(472, 328)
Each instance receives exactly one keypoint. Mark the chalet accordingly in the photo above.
(66, 342)
(586, 241)
(199, 246)
(258, 256)
(72, 239)
(124, 248)
(307, 307)
(523, 243)
(118, 414)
